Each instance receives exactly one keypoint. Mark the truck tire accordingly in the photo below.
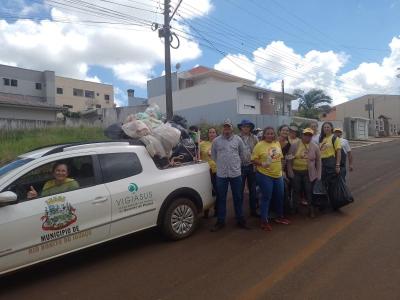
(180, 219)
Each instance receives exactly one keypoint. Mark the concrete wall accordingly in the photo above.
(20, 113)
(216, 113)
(27, 80)
(104, 117)
(199, 95)
(136, 101)
(156, 86)
(247, 99)
(82, 103)
(387, 105)
(11, 124)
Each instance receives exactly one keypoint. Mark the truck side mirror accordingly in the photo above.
(7, 198)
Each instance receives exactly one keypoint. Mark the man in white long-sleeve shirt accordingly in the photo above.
(347, 151)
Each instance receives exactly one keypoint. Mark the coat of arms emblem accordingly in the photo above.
(59, 214)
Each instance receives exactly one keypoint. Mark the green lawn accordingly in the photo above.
(14, 143)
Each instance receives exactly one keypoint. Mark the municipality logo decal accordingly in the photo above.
(133, 188)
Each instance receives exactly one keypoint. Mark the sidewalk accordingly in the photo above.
(372, 141)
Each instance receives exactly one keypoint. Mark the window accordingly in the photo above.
(14, 82)
(60, 91)
(116, 166)
(98, 106)
(78, 92)
(189, 83)
(97, 94)
(107, 97)
(89, 94)
(247, 106)
(38, 86)
(80, 173)
(6, 81)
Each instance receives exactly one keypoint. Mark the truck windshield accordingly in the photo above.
(13, 165)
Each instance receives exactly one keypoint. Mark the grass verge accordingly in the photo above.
(14, 143)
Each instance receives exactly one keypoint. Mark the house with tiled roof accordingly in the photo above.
(203, 94)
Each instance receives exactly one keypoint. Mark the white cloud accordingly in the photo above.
(120, 98)
(131, 52)
(317, 69)
(237, 64)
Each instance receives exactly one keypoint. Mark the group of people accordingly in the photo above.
(281, 165)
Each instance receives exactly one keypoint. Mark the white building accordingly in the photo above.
(36, 87)
(206, 95)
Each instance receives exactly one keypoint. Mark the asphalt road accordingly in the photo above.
(354, 254)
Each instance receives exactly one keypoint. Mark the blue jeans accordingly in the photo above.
(222, 190)
(249, 175)
(271, 189)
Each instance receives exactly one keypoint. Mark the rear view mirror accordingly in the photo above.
(7, 198)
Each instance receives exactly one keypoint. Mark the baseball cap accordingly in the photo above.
(293, 128)
(308, 131)
(338, 129)
(228, 122)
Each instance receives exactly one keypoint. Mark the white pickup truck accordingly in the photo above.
(112, 189)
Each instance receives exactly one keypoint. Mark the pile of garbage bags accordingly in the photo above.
(167, 143)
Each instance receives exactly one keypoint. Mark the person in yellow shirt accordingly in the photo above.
(267, 156)
(304, 168)
(330, 148)
(205, 155)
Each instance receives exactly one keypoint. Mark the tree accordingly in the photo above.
(311, 104)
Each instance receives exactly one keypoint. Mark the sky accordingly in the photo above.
(347, 48)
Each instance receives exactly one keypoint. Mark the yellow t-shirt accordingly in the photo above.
(327, 149)
(262, 151)
(205, 149)
(300, 161)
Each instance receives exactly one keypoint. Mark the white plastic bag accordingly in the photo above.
(168, 136)
(154, 111)
(136, 129)
(153, 146)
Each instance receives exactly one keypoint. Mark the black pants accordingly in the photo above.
(249, 176)
(302, 184)
(329, 175)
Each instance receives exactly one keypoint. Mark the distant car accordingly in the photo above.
(120, 191)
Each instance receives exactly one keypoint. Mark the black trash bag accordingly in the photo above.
(184, 132)
(318, 188)
(340, 194)
(181, 124)
(177, 119)
(185, 151)
(115, 132)
(319, 197)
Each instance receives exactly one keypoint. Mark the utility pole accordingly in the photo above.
(167, 49)
(283, 97)
(373, 108)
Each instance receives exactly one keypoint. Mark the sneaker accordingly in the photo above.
(217, 227)
(282, 221)
(266, 226)
(243, 225)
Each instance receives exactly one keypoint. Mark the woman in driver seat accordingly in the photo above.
(60, 184)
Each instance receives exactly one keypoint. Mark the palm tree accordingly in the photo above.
(311, 104)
